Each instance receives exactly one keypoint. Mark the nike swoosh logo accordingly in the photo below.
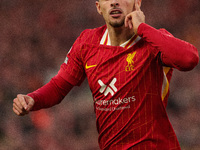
(88, 67)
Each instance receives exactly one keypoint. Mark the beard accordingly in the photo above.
(117, 24)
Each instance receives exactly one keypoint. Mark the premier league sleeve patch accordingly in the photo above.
(66, 60)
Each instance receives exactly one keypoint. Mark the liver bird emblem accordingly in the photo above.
(130, 61)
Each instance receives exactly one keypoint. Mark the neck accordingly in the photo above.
(119, 35)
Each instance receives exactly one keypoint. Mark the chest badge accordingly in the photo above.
(130, 61)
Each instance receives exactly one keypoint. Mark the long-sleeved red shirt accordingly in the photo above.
(130, 85)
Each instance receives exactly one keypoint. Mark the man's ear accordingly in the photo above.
(98, 8)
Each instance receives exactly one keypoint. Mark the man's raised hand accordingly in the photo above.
(135, 18)
(22, 104)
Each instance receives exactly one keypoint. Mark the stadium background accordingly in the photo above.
(35, 36)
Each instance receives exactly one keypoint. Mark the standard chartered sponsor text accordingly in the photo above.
(113, 108)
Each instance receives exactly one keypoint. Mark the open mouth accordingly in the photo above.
(115, 12)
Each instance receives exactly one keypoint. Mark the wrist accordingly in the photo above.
(139, 29)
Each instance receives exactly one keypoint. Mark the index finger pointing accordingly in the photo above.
(137, 6)
(22, 101)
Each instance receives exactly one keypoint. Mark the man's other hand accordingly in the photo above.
(22, 104)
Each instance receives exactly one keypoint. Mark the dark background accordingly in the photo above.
(35, 36)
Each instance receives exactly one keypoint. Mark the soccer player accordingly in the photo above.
(128, 65)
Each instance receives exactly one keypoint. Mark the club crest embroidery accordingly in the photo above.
(130, 61)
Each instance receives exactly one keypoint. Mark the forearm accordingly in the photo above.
(174, 52)
(50, 94)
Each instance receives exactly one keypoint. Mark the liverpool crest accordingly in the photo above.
(130, 61)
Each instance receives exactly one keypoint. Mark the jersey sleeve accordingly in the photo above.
(51, 93)
(174, 52)
(72, 70)
(71, 73)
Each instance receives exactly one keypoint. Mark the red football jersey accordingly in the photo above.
(129, 84)
(130, 87)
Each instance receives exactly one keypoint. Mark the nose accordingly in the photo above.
(114, 3)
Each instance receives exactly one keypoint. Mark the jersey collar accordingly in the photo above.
(105, 40)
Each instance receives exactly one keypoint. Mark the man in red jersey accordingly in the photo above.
(129, 65)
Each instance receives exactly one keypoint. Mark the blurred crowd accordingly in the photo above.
(35, 36)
